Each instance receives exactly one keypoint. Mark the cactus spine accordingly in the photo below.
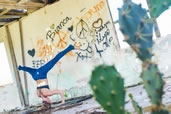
(108, 88)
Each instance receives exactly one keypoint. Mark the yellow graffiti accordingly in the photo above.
(95, 10)
(44, 49)
(46, 52)
(77, 45)
(63, 37)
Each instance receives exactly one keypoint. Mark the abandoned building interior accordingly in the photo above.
(33, 32)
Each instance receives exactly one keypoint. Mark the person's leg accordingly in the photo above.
(49, 65)
(38, 93)
(47, 92)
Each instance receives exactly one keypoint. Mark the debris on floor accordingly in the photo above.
(79, 105)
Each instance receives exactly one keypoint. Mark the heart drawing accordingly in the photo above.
(70, 28)
(31, 52)
(98, 23)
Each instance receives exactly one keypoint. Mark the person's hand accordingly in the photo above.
(19, 67)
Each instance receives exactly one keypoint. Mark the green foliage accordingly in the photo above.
(137, 108)
(153, 82)
(65, 94)
(158, 6)
(108, 88)
(137, 28)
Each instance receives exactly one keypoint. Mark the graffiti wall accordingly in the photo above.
(85, 24)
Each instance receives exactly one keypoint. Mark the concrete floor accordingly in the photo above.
(87, 105)
(81, 105)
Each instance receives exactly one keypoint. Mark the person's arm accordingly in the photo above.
(26, 69)
(47, 67)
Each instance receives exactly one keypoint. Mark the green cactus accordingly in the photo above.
(108, 88)
(160, 112)
(106, 82)
(158, 6)
(153, 83)
(137, 28)
(137, 108)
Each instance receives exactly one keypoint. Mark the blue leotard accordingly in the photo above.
(41, 73)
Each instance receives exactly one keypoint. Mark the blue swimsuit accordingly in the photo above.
(41, 73)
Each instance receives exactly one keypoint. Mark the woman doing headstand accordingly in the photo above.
(40, 76)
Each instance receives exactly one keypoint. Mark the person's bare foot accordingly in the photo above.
(63, 101)
(62, 96)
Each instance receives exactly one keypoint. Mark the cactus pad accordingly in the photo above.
(137, 29)
(160, 112)
(153, 83)
(108, 88)
(158, 6)
(137, 108)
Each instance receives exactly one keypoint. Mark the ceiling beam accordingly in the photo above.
(28, 5)
(9, 16)
(17, 12)
(8, 1)
(5, 10)
(3, 23)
